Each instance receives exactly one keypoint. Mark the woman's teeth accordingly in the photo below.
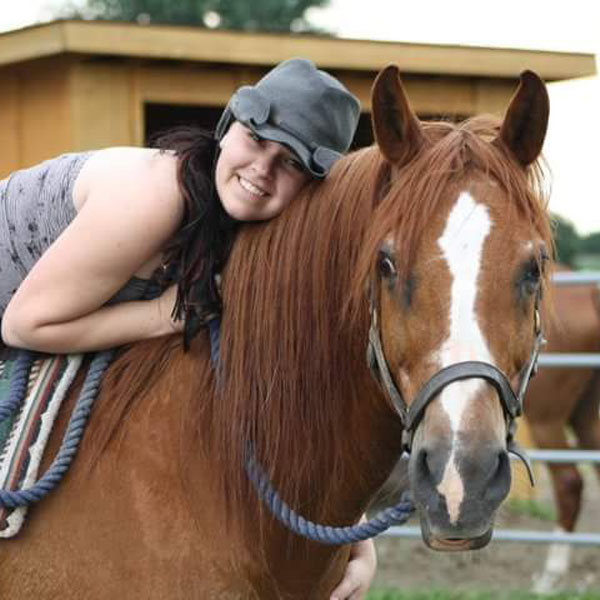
(250, 187)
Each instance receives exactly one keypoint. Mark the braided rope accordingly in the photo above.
(70, 444)
(214, 332)
(18, 385)
(394, 515)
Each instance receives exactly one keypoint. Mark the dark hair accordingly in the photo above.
(200, 247)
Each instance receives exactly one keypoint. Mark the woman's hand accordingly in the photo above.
(359, 573)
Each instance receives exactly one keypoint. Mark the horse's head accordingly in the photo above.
(463, 237)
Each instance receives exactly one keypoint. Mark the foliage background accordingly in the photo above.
(249, 15)
(573, 250)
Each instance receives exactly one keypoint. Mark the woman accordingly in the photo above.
(83, 237)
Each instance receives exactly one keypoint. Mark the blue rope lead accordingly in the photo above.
(70, 444)
(18, 385)
(394, 515)
(214, 332)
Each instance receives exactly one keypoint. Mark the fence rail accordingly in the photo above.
(564, 278)
(564, 456)
(559, 360)
(514, 535)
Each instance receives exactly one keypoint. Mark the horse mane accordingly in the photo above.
(295, 315)
(283, 377)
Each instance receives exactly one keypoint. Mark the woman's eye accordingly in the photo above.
(294, 163)
(253, 136)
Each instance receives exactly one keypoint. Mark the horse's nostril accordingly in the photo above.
(423, 463)
(502, 464)
(499, 482)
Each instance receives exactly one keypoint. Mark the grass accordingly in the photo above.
(382, 594)
(530, 508)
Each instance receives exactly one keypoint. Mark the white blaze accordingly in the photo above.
(462, 244)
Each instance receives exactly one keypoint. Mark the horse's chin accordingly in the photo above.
(454, 544)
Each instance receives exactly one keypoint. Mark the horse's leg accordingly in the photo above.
(585, 419)
(567, 485)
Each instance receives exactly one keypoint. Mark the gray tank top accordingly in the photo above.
(36, 205)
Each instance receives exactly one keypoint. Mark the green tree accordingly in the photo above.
(567, 241)
(266, 15)
(590, 244)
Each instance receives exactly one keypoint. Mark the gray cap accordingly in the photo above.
(298, 105)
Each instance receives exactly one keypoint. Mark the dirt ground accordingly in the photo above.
(501, 566)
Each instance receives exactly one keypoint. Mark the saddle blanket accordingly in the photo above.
(24, 434)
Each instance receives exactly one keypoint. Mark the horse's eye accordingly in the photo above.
(386, 266)
(531, 277)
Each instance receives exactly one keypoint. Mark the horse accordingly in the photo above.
(561, 399)
(436, 238)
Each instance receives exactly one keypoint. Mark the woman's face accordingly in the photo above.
(256, 179)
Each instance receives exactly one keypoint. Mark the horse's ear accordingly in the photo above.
(524, 127)
(397, 130)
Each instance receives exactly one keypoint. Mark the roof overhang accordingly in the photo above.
(198, 45)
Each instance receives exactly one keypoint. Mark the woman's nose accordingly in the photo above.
(263, 164)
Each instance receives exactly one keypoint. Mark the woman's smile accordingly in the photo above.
(251, 187)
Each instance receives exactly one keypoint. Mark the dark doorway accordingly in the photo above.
(161, 117)
(158, 118)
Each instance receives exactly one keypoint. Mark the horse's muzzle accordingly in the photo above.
(453, 544)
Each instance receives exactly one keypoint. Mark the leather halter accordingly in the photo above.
(512, 404)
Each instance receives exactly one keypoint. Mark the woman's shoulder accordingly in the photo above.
(120, 170)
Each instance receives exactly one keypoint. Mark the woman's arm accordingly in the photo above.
(131, 208)
(104, 328)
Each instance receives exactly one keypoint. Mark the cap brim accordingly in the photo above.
(274, 134)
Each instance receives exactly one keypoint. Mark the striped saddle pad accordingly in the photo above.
(23, 435)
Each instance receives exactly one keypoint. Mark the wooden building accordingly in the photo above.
(72, 85)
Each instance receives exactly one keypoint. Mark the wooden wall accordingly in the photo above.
(62, 104)
(34, 114)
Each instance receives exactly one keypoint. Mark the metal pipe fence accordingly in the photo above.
(524, 536)
(564, 278)
(559, 360)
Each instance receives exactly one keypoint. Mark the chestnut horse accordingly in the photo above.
(567, 398)
(446, 226)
